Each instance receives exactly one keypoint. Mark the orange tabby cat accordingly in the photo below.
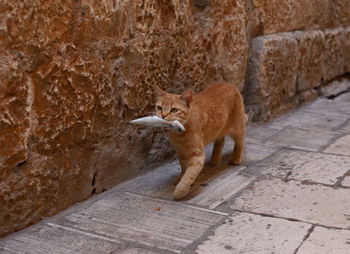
(207, 117)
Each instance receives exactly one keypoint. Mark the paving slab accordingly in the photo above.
(309, 166)
(346, 182)
(335, 88)
(326, 241)
(341, 146)
(213, 186)
(259, 133)
(135, 251)
(304, 139)
(143, 220)
(53, 239)
(221, 188)
(346, 127)
(298, 201)
(249, 233)
(326, 106)
(343, 97)
(254, 152)
(310, 120)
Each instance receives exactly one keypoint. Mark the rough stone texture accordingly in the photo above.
(335, 88)
(324, 240)
(340, 12)
(299, 201)
(334, 53)
(74, 73)
(341, 146)
(306, 166)
(271, 75)
(249, 233)
(311, 51)
(310, 120)
(275, 16)
(299, 138)
(346, 182)
(332, 107)
(140, 216)
(151, 222)
(346, 47)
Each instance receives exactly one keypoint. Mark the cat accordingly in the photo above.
(208, 116)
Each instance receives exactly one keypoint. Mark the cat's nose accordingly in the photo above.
(164, 115)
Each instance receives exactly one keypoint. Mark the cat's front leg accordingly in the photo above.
(193, 168)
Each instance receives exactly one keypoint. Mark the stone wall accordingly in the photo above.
(296, 46)
(75, 72)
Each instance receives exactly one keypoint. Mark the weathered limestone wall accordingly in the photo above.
(75, 72)
(296, 46)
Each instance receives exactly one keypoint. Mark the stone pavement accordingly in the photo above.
(291, 195)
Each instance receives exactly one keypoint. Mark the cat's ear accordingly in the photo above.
(159, 93)
(187, 97)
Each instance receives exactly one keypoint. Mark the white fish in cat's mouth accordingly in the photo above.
(155, 121)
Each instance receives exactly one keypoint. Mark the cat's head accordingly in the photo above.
(172, 106)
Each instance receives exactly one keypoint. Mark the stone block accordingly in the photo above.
(310, 120)
(136, 219)
(297, 200)
(282, 16)
(311, 58)
(340, 12)
(276, 16)
(346, 47)
(271, 77)
(333, 53)
(250, 233)
(52, 238)
(306, 166)
(212, 187)
(326, 240)
(319, 14)
(16, 100)
(335, 88)
(346, 182)
(303, 139)
(333, 107)
(341, 146)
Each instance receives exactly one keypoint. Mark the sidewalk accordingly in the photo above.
(291, 195)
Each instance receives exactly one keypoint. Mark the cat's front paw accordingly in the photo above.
(235, 162)
(180, 191)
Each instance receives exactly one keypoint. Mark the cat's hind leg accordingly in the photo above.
(193, 168)
(236, 157)
(217, 151)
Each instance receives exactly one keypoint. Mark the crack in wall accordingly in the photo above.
(93, 181)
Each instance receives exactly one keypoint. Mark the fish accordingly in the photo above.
(155, 121)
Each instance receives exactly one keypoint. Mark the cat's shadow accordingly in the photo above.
(208, 174)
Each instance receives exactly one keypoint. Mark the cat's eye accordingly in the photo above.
(174, 110)
(159, 108)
